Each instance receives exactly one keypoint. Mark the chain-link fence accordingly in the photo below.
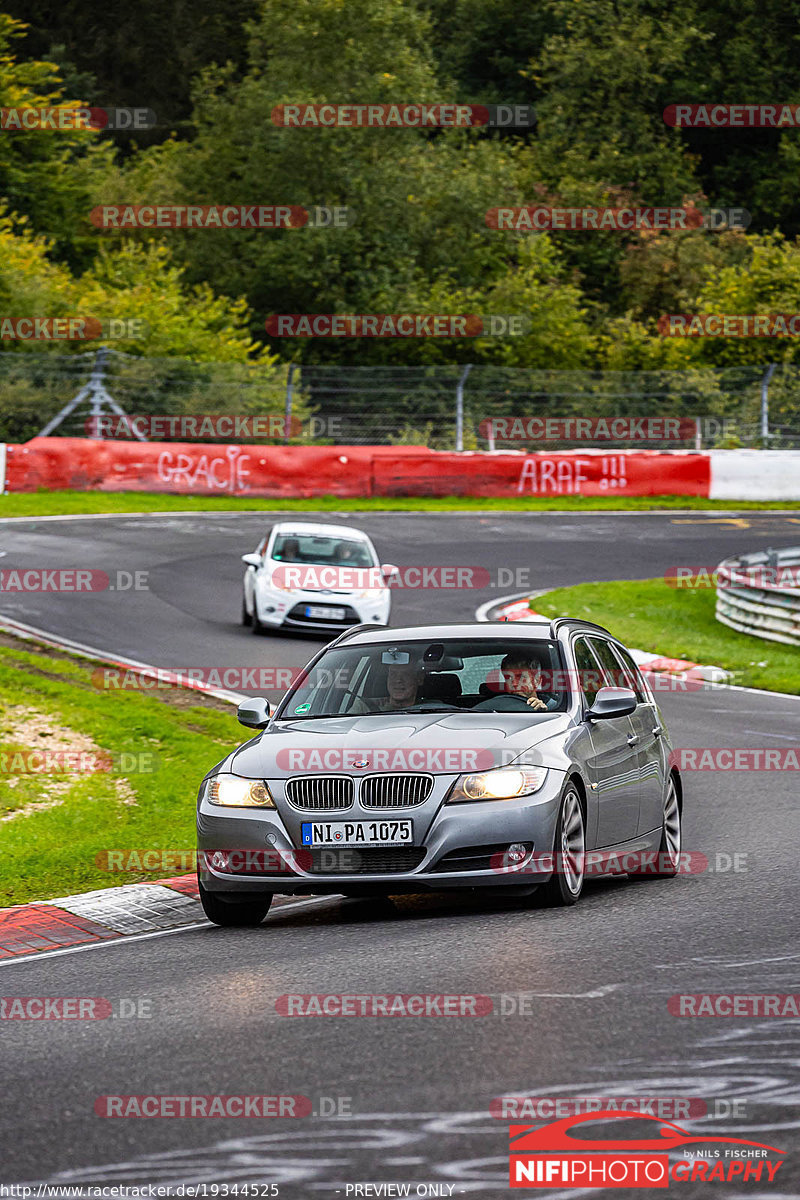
(512, 408)
(461, 407)
(36, 388)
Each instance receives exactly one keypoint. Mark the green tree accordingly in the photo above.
(47, 175)
(132, 282)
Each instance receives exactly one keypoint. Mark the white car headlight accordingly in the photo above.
(504, 783)
(232, 791)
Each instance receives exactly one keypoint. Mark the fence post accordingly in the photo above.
(765, 401)
(287, 423)
(460, 407)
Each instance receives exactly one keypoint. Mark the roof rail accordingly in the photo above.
(579, 621)
(346, 633)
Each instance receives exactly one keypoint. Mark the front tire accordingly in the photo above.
(247, 620)
(224, 908)
(259, 629)
(564, 887)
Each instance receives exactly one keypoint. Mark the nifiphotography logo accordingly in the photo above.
(552, 1156)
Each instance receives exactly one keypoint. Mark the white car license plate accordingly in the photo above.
(357, 833)
(324, 614)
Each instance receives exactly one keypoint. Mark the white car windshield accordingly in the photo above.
(321, 550)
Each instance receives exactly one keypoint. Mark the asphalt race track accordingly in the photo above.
(580, 995)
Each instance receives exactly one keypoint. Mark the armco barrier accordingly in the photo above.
(307, 471)
(761, 605)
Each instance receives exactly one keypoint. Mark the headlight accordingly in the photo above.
(505, 783)
(235, 792)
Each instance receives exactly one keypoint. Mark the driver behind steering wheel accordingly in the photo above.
(522, 676)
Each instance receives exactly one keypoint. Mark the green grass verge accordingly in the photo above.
(47, 503)
(678, 623)
(52, 851)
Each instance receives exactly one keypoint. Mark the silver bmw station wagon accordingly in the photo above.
(457, 756)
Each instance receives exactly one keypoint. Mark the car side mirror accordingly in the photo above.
(612, 702)
(389, 569)
(254, 713)
(252, 560)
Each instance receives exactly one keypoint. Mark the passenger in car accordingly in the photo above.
(402, 685)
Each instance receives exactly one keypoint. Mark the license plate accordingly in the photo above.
(324, 614)
(357, 833)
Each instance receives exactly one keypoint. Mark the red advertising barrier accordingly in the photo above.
(573, 473)
(196, 469)
(308, 471)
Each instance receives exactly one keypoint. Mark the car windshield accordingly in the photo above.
(321, 550)
(523, 676)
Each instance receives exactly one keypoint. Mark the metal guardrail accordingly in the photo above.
(759, 594)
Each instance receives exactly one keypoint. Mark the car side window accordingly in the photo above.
(611, 668)
(631, 675)
(590, 677)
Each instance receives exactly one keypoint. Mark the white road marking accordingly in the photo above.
(37, 956)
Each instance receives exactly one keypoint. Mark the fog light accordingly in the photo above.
(515, 853)
(218, 860)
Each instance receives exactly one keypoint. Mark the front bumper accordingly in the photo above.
(462, 831)
(280, 609)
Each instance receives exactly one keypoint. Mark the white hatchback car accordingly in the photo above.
(308, 577)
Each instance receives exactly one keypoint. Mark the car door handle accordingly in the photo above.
(633, 739)
(657, 732)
